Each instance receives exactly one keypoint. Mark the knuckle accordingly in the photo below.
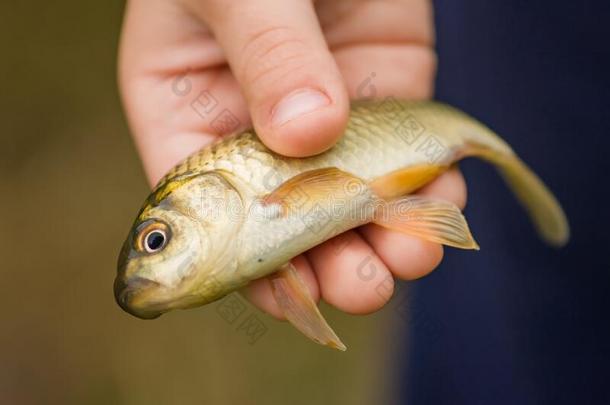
(272, 53)
(420, 77)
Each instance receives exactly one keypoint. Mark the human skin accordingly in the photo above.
(289, 68)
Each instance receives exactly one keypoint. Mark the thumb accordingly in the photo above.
(295, 93)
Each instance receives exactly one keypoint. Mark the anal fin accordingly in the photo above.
(300, 309)
(430, 219)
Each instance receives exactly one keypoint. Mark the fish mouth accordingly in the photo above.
(130, 293)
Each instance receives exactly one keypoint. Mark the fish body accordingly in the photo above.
(236, 211)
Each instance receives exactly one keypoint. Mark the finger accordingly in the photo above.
(259, 291)
(382, 47)
(296, 95)
(408, 21)
(351, 276)
(449, 186)
(169, 124)
(409, 257)
(172, 83)
(402, 71)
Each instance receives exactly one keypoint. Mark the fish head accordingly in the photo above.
(181, 250)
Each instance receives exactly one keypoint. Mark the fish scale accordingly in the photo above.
(236, 211)
(373, 136)
(380, 138)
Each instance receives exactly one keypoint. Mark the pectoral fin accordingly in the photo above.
(305, 189)
(300, 309)
(433, 220)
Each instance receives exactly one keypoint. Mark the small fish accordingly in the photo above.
(236, 211)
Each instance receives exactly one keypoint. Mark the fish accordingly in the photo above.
(235, 211)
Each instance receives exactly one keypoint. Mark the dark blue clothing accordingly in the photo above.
(519, 322)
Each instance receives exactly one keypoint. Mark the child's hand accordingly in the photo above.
(292, 66)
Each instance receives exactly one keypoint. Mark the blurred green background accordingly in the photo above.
(71, 184)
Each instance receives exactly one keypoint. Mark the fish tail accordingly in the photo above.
(539, 202)
(477, 140)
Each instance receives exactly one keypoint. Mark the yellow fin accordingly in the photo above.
(542, 207)
(405, 181)
(433, 220)
(314, 185)
(300, 309)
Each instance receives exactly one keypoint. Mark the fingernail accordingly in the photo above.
(297, 104)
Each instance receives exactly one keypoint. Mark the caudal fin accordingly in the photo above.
(540, 204)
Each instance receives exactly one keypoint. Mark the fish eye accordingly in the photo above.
(152, 237)
(154, 240)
